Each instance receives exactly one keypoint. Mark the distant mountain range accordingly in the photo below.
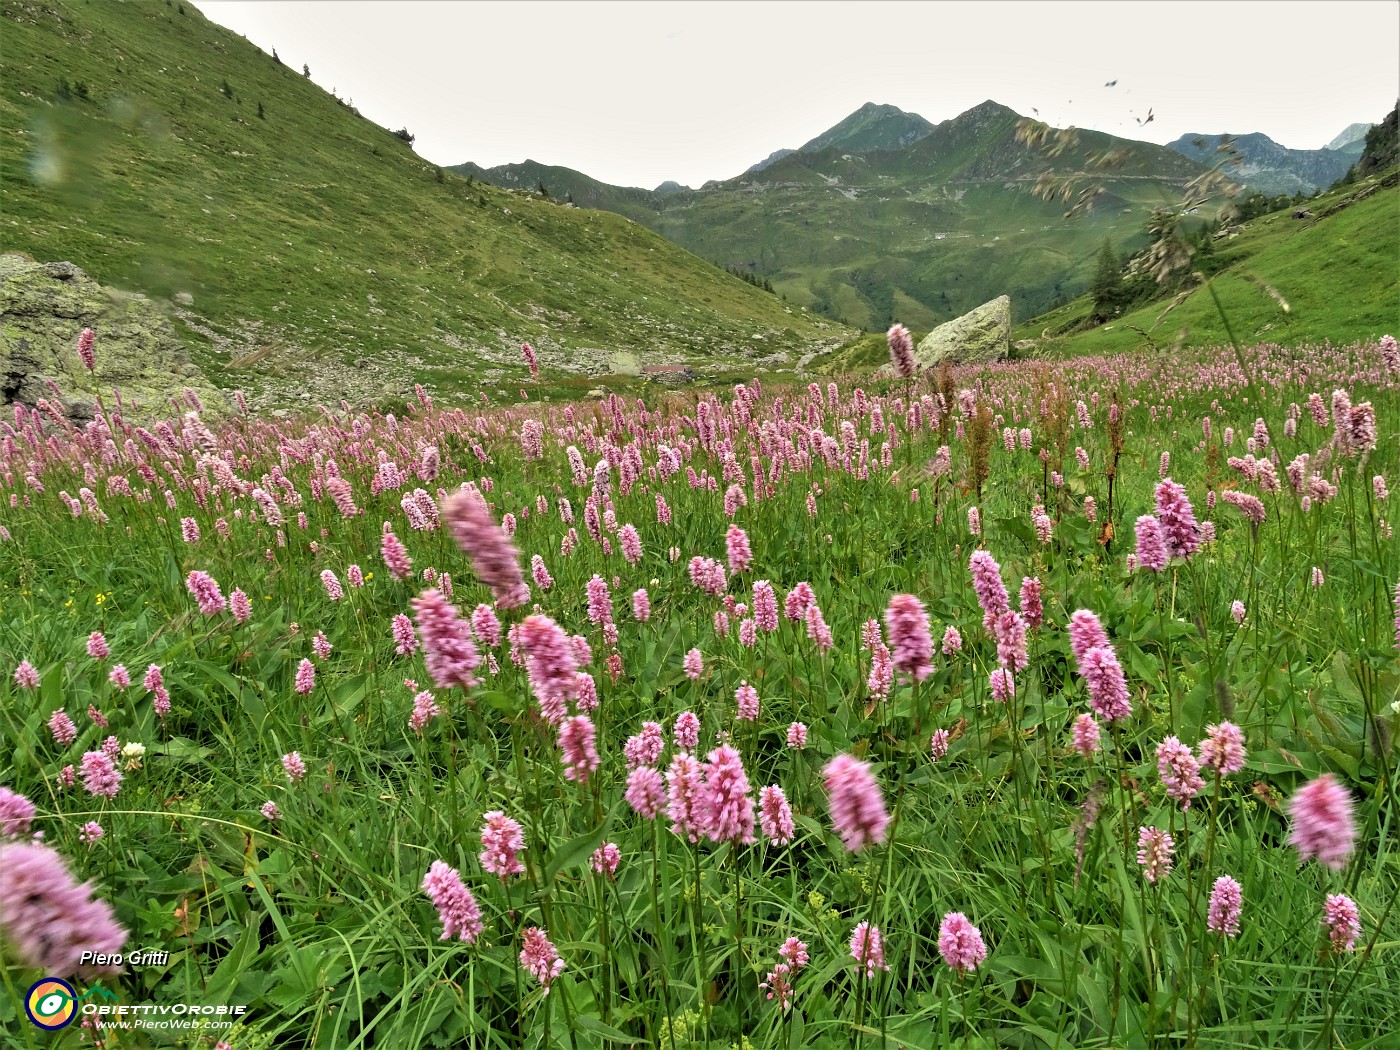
(1272, 169)
(886, 216)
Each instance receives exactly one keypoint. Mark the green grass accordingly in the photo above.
(318, 923)
(1338, 275)
(315, 232)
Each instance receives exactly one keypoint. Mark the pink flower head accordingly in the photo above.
(1180, 533)
(775, 815)
(1151, 547)
(334, 591)
(90, 833)
(293, 766)
(395, 555)
(50, 920)
(1226, 902)
(938, 745)
(901, 350)
(736, 543)
(694, 664)
(645, 791)
(502, 839)
(448, 650)
(1108, 689)
(321, 645)
(1032, 610)
(952, 641)
(1154, 853)
(797, 736)
(746, 697)
(551, 663)
(1317, 577)
(908, 626)
(1179, 770)
(576, 741)
(685, 785)
(1003, 685)
(794, 953)
(425, 709)
(25, 675)
(724, 807)
(405, 641)
(1223, 749)
(641, 605)
(857, 806)
(687, 731)
(539, 957)
(960, 943)
(1323, 827)
(644, 749)
(240, 605)
(494, 557)
(306, 677)
(631, 544)
(1237, 612)
(868, 949)
(991, 591)
(100, 775)
(85, 351)
(205, 590)
(62, 727)
(1086, 735)
(765, 606)
(796, 603)
(97, 646)
(16, 814)
(1342, 920)
(486, 626)
(1013, 651)
(457, 908)
(1085, 633)
(605, 859)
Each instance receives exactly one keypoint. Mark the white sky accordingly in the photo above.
(635, 93)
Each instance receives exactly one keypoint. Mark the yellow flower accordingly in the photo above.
(100, 599)
(68, 603)
(369, 575)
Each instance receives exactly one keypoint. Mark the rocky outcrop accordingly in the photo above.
(979, 336)
(44, 307)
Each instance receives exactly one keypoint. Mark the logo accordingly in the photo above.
(51, 1004)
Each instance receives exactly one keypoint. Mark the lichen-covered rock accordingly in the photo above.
(984, 334)
(43, 309)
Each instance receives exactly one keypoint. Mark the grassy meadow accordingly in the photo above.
(306, 780)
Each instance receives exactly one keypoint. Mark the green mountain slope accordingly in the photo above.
(919, 234)
(1336, 271)
(164, 154)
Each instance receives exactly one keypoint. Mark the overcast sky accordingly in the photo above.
(635, 93)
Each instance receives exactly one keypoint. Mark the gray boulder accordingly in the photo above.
(43, 309)
(979, 336)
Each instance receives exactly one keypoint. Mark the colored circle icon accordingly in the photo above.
(51, 1004)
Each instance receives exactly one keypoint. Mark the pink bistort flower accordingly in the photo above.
(960, 943)
(856, 803)
(576, 741)
(49, 919)
(457, 908)
(1226, 902)
(1342, 920)
(502, 839)
(1323, 827)
(775, 815)
(868, 949)
(910, 639)
(540, 958)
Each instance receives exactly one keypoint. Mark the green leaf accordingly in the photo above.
(608, 1032)
(573, 851)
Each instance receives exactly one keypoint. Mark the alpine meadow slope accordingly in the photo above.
(166, 155)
